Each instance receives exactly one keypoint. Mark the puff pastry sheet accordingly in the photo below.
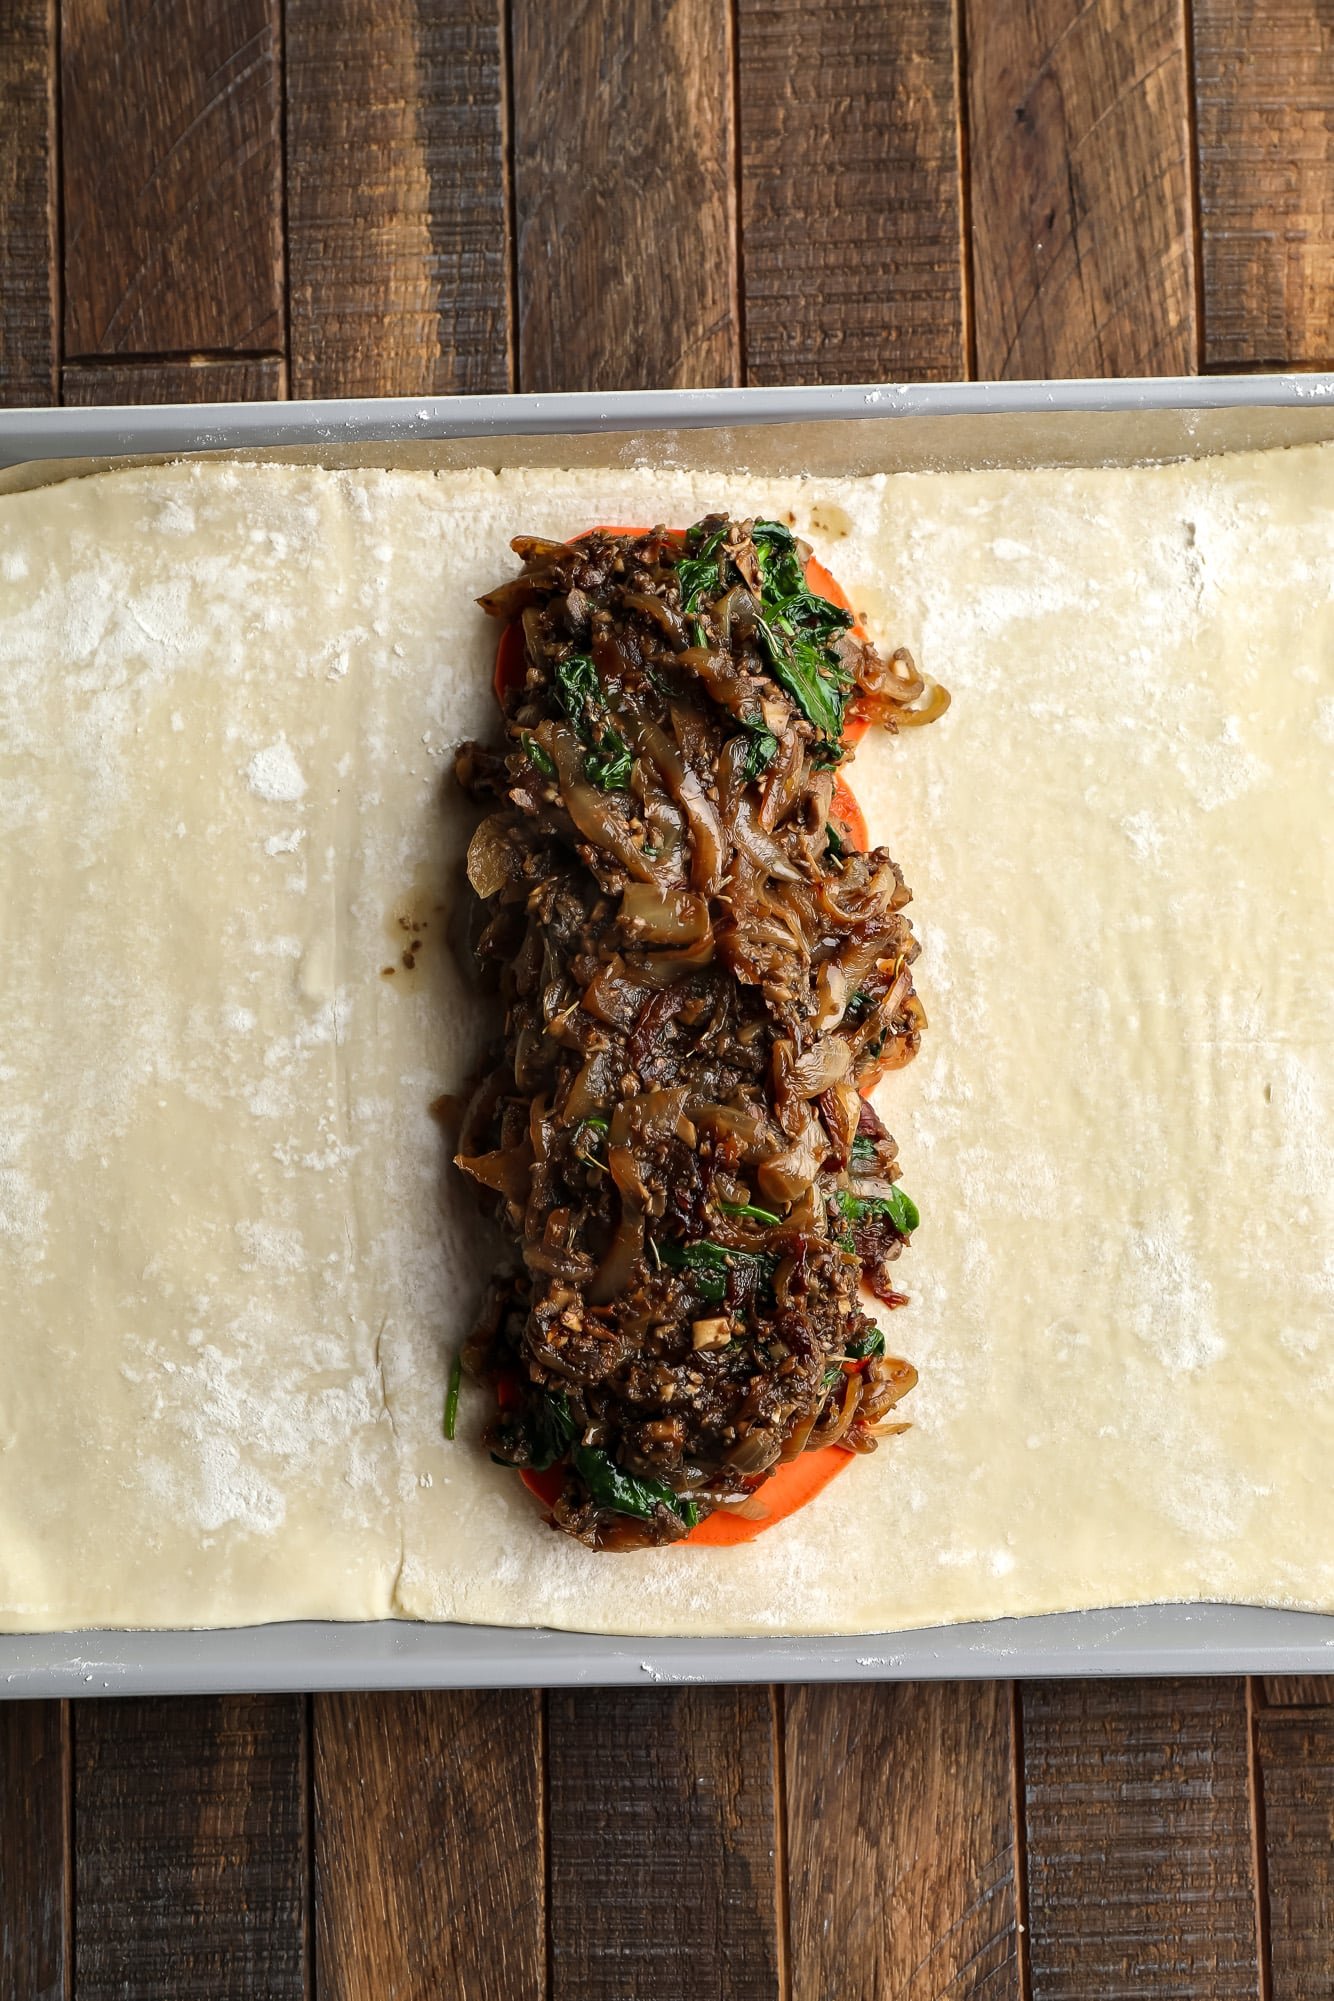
(233, 1268)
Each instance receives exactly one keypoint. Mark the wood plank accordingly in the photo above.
(28, 343)
(1264, 92)
(661, 1844)
(853, 218)
(1296, 1763)
(1298, 1691)
(398, 215)
(1083, 249)
(190, 1849)
(1137, 1815)
(624, 196)
(34, 1861)
(174, 382)
(901, 1842)
(428, 1846)
(172, 158)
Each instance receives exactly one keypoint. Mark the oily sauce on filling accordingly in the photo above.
(700, 971)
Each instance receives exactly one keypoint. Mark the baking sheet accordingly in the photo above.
(877, 427)
(1153, 1639)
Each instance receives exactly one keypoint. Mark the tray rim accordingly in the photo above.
(396, 1654)
(403, 1654)
(36, 432)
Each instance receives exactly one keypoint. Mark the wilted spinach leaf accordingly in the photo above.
(452, 1396)
(710, 1265)
(627, 1493)
(749, 1209)
(899, 1207)
(799, 632)
(761, 750)
(608, 761)
(699, 571)
(537, 757)
(551, 1431)
(872, 1342)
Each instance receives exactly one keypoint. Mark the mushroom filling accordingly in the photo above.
(700, 973)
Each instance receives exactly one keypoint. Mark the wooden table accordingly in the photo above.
(237, 198)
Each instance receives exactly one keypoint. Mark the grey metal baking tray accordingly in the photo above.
(858, 428)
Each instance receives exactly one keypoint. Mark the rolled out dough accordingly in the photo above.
(232, 1269)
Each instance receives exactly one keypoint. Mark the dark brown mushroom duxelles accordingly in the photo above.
(700, 971)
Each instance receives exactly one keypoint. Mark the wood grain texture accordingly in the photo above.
(1296, 1763)
(171, 150)
(190, 1849)
(259, 381)
(398, 213)
(1264, 84)
(661, 1845)
(1083, 253)
(34, 1862)
(901, 1842)
(851, 202)
(428, 1847)
(28, 331)
(1298, 1691)
(624, 195)
(1137, 1814)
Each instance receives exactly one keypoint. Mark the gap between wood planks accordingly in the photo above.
(1259, 1870)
